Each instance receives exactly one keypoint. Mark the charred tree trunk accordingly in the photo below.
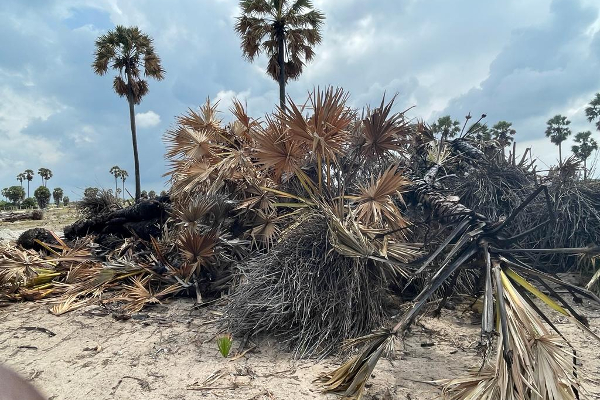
(143, 219)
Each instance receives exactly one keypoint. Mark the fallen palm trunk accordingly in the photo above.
(141, 220)
(21, 216)
(472, 235)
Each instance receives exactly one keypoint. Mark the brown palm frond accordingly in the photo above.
(191, 210)
(325, 131)
(383, 132)
(206, 120)
(276, 151)
(69, 304)
(266, 229)
(350, 379)
(140, 293)
(197, 248)
(243, 128)
(256, 197)
(375, 204)
(190, 144)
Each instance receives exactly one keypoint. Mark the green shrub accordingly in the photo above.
(66, 201)
(29, 202)
(42, 194)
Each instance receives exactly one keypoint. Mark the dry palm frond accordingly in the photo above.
(140, 293)
(244, 126)
(350, 379)
(383, 133)
(204, 120)
(197, 248)
(69, 304)
(325, 131)
(258, 198)
(438, 154)
(265, 229)
(375, 205)
(189, 212)
(190, 144)
(535, 366)
(275, 150)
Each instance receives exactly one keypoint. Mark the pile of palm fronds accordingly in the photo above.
(70, 277)
(318, 222)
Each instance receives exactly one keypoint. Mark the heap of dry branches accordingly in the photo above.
(318, 221)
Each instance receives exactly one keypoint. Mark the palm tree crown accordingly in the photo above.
(129, 51)
(503, 133)
(558, 131)
(116, 172)
(123, 175)
(592, 112)
(446, 126)
(46, 174)
(285, 30)
(584, 149)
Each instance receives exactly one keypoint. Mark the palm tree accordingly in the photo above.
(503, 133)
(5, 193)
(29, 176)
(21, 177)
(585, 148)
(285, 30)
(123, 174)
(558, 131)
(46, 174)
(128, 50)
(57, 194)
(592, 112)
(446, 127)
(116, 171)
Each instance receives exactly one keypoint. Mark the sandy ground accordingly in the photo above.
(54, 219)
(169, 352)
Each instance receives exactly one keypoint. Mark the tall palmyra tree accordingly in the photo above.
(129, 51)
(558, 131)
(29, 176)
(123, 175)
(584, 148)
(116, 172)
(285, 30)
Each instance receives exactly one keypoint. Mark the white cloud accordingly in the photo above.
(147, 119)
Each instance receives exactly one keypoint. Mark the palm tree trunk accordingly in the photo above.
(116, 185)
(136, 160)
(27, 187)
(585, 169)
(560, 154)
(281, 62)
(123, 189)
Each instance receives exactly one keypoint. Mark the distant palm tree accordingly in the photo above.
(21, 177)
(446, 126)
(29, 174)
(285, 30)
(592, 112)
(129, 51)
(503, 133)
(558, 131)
(116, 171)
(46, 174)
(57, 194)
(123, 174)
(584, 149)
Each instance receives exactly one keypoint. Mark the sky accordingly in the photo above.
(520, 61)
